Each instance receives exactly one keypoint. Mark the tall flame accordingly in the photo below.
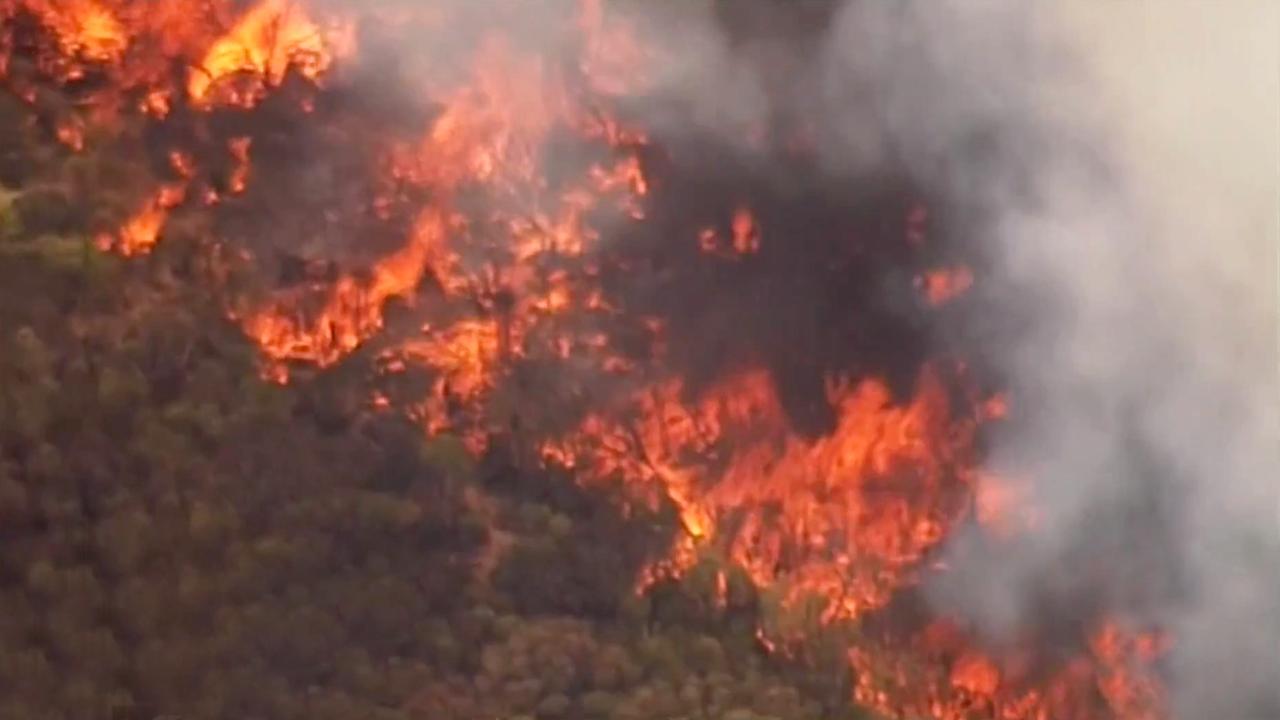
(847, 516)
(267, 40)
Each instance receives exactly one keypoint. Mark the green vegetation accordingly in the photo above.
(179, 538)
(183, 539)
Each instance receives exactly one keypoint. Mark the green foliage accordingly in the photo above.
(10, 222)
(185, 544)
(560, 668)
(184, 539)
(448, 455)
(46, 210)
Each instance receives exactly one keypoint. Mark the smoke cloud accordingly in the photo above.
(1159, 372)
(1120, 163)
(1119, 166)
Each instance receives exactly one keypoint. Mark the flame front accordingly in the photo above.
(848, 516)
(265, 42)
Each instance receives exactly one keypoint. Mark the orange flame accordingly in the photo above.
(239, 148)
(853, 512)
(139, 233)
(942, 286)
(267, 40)
(746, 235)
(1124, 679)
(351, 310)
(1003, 505)
(85, 28)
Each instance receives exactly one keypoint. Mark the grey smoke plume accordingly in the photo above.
(1120, 165)
(1171, 284)
(1127, 171)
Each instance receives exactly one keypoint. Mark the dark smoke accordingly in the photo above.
(1121, 188)
(1113, 171)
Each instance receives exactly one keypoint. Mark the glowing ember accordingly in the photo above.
(975, 674)
(746, 236)
(71, 134)
(942, 286)
(239, 148)
(139, 233)
(743, 236)
(1124, 678)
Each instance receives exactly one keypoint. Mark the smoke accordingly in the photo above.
(1159, 377)
(1119, 167)
(1119, 164)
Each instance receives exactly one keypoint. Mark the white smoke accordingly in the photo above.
(1129, 172)
(1192, 95)
(1205, 148)
(1120, 162)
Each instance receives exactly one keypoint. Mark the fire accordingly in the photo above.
(464, 355)
(239, 148)
(746, 235)
(139, 233)
(1124, 656)
(975, 674)
(71, 134)
(267, 40)
(499, 264)
(743, 236)
(1003, 505)
(614, 60)
(1010, 687)
(944, 285)
(853, 513)
(860, 506)
(87, 29)
(350, 310)
(482, 139)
